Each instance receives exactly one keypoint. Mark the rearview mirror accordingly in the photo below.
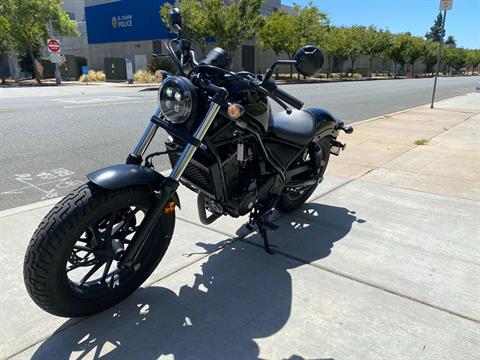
(309, 59)
(175, 20)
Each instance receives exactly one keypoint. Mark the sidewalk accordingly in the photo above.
(382, 263)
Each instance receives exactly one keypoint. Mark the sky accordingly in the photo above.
(415, 16)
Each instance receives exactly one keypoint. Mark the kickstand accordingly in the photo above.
(263, 233)
(263, 225)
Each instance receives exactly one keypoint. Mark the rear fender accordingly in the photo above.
(326, 123)
(124, 175)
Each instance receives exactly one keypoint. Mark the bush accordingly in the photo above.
(144, 76)
(93, 76)
(161, 64)
(100, 76)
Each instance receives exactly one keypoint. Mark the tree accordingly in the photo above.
(24, 24)
(194, 22)
(287, 32)
(429, 54)
(232, 23)
(336, 45)
(373, 43)
(396, 50)
(451, 42)
(455, 58)
(354, 49)
(436, 34)
(277, 33)
(473, 59)
(414, 50)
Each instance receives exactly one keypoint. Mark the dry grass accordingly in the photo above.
(93, 76)
(144, 76)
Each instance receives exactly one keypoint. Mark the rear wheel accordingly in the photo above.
(70, 267)
(292, 199)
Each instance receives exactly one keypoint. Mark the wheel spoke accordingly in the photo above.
(106, 270)
(90, 273)
(110, 223)
(83, 248)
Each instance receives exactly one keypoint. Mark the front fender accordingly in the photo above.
(124, 175)
(326, 123)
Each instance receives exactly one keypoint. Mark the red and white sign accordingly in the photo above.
(53, 46)
(446, 5)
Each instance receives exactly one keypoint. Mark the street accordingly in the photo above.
(52, 137)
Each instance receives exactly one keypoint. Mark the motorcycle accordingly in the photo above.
(103, 240)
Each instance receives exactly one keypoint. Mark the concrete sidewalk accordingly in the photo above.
(382, 263)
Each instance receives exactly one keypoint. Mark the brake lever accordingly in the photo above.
(274, 98)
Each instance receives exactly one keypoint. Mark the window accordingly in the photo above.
(71, 15)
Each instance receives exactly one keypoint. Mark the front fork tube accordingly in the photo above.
(168, 187)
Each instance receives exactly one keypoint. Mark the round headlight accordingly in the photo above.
(177, 98)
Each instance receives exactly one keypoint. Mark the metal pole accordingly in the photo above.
(58, 78)
(439, 55)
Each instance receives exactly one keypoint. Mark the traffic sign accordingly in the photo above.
(446, 5)
(53, 46)
(55, 58)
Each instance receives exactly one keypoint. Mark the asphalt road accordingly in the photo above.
(51, 137)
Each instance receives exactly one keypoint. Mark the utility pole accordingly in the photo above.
(58, 78)
(444, 5)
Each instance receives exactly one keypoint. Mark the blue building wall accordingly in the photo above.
(125, 20)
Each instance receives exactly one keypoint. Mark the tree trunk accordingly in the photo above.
(413, 69)
(394, 69)
(353, 66)
(35, 70)
(330, 61)
(371, 63)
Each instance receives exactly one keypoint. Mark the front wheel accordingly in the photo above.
(70, 267)
(291, 200)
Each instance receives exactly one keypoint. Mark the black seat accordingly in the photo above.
(298, 127)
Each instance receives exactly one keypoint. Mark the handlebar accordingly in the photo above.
(289, 99)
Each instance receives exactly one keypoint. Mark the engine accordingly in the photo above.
(229, 181)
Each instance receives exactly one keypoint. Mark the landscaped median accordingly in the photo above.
(381, 263)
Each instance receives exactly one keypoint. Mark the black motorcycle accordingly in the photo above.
(103, 240)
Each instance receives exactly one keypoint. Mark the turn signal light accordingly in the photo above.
(170, 208)
(235, 111)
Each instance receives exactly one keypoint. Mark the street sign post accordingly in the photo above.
(54, 47)
(444, 6)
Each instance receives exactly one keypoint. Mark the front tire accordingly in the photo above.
(70, 264)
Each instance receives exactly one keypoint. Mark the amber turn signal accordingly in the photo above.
(170, 208)
(235, 111)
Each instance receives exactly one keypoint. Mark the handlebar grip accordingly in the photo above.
(289, 99)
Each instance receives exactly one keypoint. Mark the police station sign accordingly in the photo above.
(122, 21)
(125, 20)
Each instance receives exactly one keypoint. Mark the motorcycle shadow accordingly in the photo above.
(237, 295)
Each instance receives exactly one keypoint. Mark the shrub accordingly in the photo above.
(144, 76)
(161, 64)
(100, 76)
(93, 76)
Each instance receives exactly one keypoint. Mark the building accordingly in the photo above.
(74, 45)
(119, 29)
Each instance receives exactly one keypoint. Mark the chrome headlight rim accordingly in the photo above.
(177, 99)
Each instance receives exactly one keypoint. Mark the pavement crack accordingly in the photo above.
(368, 283)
